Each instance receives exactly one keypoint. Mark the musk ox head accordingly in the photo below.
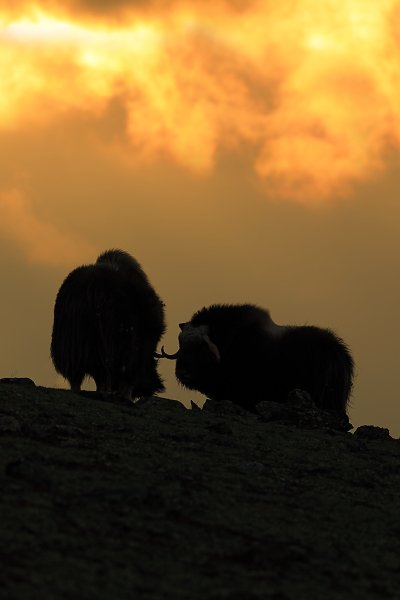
(198, 358)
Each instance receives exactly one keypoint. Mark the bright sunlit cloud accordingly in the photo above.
(312, 87)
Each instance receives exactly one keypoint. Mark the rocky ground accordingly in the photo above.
(103, 499)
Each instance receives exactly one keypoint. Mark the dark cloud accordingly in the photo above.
(109, 6)
(121, 8)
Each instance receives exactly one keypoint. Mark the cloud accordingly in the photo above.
(115, 9)
(312, 89)
(38, 240)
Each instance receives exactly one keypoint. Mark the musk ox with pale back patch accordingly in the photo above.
(108, 321)
(237, 353)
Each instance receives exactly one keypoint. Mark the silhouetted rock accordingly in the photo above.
(18, 381)
(371, 432)
(301, 411)
(102, 498)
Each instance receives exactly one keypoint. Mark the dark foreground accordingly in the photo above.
(103, 500)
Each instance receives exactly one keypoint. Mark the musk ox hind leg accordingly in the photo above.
(74, 346)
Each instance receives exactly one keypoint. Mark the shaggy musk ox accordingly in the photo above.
(237, 353)
(108, 321)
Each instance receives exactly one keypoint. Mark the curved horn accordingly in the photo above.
(169, 356)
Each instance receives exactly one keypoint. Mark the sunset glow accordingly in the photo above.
(312, 87)
(35, 238)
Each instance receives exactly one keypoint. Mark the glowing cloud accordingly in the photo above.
(313, 87)
(40, 242)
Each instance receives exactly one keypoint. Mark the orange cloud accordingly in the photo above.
(312, 87)
(40, 241)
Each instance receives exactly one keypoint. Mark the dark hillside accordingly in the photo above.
(103, 500)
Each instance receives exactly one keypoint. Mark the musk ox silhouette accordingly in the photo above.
(237, 353)
(108, 321)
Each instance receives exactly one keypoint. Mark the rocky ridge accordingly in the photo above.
(105, 499)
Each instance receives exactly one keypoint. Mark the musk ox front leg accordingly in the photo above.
(75, 381)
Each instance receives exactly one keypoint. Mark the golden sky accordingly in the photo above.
(241, 151)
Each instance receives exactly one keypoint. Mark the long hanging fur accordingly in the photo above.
(108, 321)
(236, 352)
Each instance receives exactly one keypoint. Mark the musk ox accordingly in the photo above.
(108, 321)
(237, 353)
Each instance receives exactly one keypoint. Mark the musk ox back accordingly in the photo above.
(237, 353)
(108, 321)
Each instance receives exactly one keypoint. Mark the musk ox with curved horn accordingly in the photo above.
(237, 353)
(108, 321)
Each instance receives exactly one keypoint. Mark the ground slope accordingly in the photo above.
(101, 499)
